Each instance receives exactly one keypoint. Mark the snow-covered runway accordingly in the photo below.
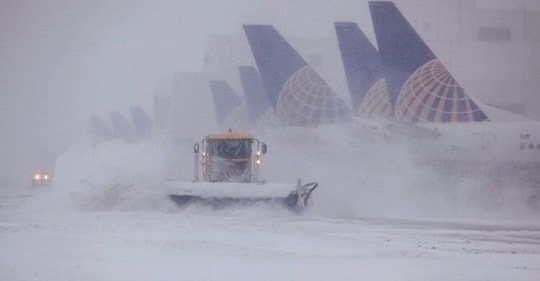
(260, 243)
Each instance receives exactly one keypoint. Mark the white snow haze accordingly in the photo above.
(65, 60)
(378, 213)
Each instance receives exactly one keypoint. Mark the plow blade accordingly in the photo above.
(223, 194)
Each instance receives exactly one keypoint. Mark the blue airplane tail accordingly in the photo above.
(360, 59)
(99, 129)
(225, 99)
(421, 88)
(121, 129)
(257, 101)
(300, 97)
(141, 122)
(276, 59)
(364, 72)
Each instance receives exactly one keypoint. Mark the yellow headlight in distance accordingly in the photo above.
(37, 177)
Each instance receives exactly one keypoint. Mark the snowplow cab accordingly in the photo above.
(229, 157)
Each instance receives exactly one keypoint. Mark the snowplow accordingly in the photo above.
(226, 172)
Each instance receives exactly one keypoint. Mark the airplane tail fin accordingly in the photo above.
(421, 88)
(225, 99)
(141, 122)
(360, 59)
(121, 127)
(257, 101)
(298, 94)
(99, 129)
(276, 59)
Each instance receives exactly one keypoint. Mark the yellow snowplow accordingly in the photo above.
(226, 171)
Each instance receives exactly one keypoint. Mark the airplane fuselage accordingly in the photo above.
(505, 143)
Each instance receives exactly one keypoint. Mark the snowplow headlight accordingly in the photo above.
(45, 177)
(37, 177)
(258, 161)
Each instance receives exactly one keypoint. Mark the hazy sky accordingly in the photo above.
(97, 48)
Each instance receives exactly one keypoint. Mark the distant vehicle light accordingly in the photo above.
(41, 179)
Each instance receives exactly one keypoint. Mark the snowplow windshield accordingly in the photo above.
(229, 160)
(230, 148)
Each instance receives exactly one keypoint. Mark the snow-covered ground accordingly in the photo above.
(261, 244)
(376, 215)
